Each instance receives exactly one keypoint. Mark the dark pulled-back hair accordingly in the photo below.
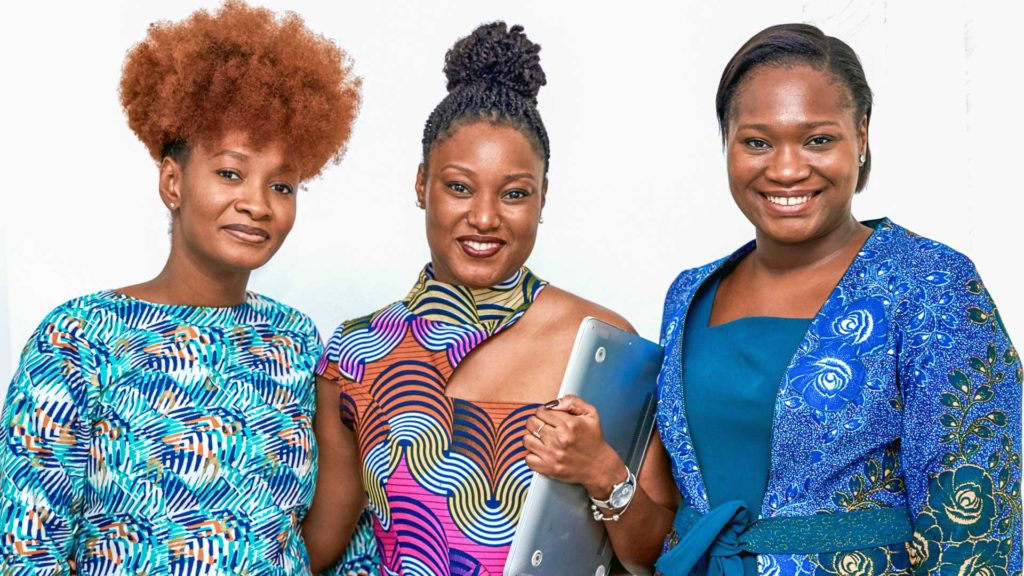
(793, 44)
(494, 75)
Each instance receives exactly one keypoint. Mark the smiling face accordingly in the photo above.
(793, 145)
(483, 188)
(233, 205)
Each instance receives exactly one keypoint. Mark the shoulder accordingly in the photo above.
(281, 316)
(77, 333)
(564, 308)
(92, 317)
(920, 252)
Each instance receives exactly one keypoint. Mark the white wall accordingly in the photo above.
(638, 188)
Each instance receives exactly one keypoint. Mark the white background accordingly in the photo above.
(638, 186)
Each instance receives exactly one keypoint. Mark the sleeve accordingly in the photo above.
(670, 312)
(361, 557)
(329, 368)
(960, 379)
(44, 442)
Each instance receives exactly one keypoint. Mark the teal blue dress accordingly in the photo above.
(731, 376)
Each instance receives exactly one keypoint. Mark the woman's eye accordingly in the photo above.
(458, 188)
(516, 194)
(229, 174)
(819, 140)
(282, 188)
(756, 143)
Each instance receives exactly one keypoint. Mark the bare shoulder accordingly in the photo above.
(566, 309)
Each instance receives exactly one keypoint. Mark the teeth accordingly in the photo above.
(788, 201)
(481, 246)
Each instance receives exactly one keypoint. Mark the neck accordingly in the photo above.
(184, 281)
(778, 257)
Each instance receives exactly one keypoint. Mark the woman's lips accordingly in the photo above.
(480, 246)
(247, 234)
(789, 202)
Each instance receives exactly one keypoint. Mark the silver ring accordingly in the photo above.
(536, 433)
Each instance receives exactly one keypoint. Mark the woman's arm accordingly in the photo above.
(571, 449)
(44, 443)
(339, 496)
(960, 379)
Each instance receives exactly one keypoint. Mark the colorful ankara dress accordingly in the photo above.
(143, 438)
(896, 437)
(446, 478)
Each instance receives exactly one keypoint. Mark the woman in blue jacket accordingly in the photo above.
(837, 397)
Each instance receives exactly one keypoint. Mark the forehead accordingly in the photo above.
(487, 146)
(238, 145)
(799, 92)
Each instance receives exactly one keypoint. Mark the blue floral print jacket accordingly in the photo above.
(905, 392)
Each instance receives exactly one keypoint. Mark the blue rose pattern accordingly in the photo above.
(907, 374)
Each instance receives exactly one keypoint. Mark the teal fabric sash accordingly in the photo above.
(725, 531)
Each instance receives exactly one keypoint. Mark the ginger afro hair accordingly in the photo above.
(241, 68)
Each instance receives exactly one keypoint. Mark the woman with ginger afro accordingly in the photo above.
(166, 427)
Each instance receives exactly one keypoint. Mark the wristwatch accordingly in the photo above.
(622, 494)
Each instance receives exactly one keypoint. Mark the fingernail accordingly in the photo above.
(553, 403)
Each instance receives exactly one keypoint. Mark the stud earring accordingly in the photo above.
(172, 205)
(419, 204)
(541, 219)
(863, 158)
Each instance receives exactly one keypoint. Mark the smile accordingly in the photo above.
(788, 200)
(480, 246)
(247, 234)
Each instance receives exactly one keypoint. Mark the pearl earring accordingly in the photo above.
(172, 205)
(541, 219)
(863, 158)
(419, 203)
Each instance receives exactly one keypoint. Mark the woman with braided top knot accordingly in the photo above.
(433, 399)
(166, 427)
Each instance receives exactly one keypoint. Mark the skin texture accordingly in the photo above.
(483, 183)
(793, 133)
(232, 206)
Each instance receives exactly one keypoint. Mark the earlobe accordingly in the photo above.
(170, 183)
(862, 131)
(544, 193)
(421, 186)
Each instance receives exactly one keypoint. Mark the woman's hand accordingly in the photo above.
(566, 443)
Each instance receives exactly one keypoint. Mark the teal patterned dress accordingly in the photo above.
(142, 438)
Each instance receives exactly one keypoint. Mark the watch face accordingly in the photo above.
(621, 495)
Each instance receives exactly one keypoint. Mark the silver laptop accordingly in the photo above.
(616, 372)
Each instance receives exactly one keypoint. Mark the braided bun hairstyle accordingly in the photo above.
(494, 76)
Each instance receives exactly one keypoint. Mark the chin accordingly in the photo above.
(478, 275)
(243, 262)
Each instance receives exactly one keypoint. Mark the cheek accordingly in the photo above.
(284, 214)
(742, 169)
(842, 168)
(524, 223)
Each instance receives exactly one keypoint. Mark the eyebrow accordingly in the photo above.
(804, 126)
(508, 178)
(233, 154)
(282, 169)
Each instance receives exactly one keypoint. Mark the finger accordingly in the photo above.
(534, 445)
(538, 464)
(573, 405)
(539, 430)
(535, 421)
